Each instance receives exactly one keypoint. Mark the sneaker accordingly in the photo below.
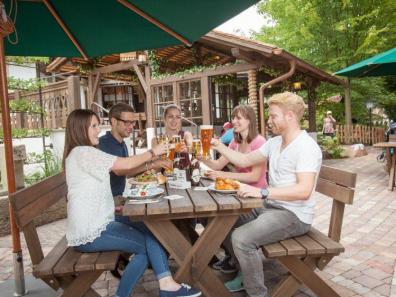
(217, 265)
(184, 291)
(228, 267)
(235, 285)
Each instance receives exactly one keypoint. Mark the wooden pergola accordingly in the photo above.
(229, 53)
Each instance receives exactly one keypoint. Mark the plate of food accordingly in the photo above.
(149, 177)
(144, 192)
(225, 185)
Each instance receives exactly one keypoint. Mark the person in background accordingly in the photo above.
(90, 210)
(173, 126)
(121, 118)
(288, 204)
(245, 140)
(328, 124)
(228, 133)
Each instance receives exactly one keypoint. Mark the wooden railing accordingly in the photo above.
(349, 134)
(58, 100)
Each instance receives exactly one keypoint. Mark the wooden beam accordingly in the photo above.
(141, 78)
(154, 22)
(95, 87)
(117, 67)
(251, 57)
(64, 28)
(212, 72)
(177, 51)
(206, 110)
(149, 103)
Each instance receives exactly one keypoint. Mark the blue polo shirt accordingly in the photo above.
(112, 146)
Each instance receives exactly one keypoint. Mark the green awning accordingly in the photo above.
(105, 27)
(379, 65)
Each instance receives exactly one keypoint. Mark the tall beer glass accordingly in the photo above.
(206, 137)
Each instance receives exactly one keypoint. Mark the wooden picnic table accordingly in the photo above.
(193, 258)
(392, 158)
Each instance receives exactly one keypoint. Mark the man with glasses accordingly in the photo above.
(121, 118)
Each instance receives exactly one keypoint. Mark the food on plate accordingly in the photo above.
(161, 178)
(226, 184)
(147, 176)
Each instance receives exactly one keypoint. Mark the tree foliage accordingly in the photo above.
(335, 34)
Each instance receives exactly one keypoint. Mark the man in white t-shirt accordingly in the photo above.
(294, 163)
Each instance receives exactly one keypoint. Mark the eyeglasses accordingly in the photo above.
(126, 122)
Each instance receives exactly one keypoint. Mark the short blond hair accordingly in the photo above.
(290, 102)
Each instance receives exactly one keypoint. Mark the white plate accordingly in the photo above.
(151, 193)
(142, 201)
(132, 181)
(211, 187)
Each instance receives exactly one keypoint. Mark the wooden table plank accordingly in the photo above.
(86, 262)
(182, 205)
(293, 247)
(161, 207)
(202, 200)
(66, 264)
(331, 246)
(312, 247)
(251, 202)
(133, 209)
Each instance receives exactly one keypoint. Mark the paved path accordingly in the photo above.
(367, 268)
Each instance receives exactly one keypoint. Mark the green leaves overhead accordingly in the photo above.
(332, 35)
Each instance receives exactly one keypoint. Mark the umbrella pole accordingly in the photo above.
(5, 115)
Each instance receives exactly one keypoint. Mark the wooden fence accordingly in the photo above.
(349, 134)
(58, 99)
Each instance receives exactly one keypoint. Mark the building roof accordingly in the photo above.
(214, 48)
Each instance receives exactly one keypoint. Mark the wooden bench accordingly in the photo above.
(63, 267)
(303, 254)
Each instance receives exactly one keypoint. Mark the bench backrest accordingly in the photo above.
(339, 185)
(31, 202)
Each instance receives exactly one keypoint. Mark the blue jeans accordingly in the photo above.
(129, 239)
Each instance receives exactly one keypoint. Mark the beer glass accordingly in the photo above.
(177, 141)
(196, 146)
(206, 138)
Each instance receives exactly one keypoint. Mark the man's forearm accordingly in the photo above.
(290, 193)
(236, 158)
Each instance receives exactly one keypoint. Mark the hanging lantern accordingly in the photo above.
(297, 85)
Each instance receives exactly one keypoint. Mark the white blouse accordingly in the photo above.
(90, 204)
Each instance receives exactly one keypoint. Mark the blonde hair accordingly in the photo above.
(290, 102)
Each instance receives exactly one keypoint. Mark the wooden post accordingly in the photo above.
(205, 100)
(311, 105)
(348, 112)
(252, 86)
(149, 102)
(73, 90)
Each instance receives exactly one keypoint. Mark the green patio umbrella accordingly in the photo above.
(379, 65)
(112, 26)
(92, 28)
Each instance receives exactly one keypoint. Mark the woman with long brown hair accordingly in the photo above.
(246, 139)
(90, 210)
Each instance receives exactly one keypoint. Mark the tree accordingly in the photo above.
(334, 34)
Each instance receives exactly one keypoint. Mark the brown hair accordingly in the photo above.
(76, 134)
(117, 109)
(247, 112)
(290, 102)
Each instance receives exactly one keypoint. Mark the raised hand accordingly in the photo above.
(160, 149)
